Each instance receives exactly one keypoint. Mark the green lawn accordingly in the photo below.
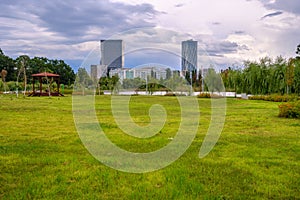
(42, 156)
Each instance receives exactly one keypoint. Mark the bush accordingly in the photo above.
(208, 95)
(170, 94)
(290, 110)
(68, 91)
(174, 94)
(12, 86)
(204, 95)
(275, 98)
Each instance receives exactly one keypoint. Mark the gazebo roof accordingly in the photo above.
(45, 74)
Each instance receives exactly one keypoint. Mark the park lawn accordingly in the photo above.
(42, 156)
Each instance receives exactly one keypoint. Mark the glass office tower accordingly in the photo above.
(189, 55)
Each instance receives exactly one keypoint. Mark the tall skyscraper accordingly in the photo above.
(112, 54)
(189, 55)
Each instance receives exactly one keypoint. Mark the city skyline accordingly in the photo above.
(112, 61)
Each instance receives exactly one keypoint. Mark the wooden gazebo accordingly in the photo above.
(40, 77)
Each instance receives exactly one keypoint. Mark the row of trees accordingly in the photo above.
(266, 76)
(21, 68)
(172, 82)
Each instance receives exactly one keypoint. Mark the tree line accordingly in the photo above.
(23, 67)
(266, 76)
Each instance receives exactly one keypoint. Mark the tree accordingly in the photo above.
(42, 64)
(66, 72)
(233, 80)
(213, 81)
(9, 65)
(152, 85)
(109, 83)
(22, 65)
(257, 77)
(290, 74)
(114, 83)
(277, 72)
(168, 73)
(83, 80)
(38, 65)
(133, 83)
(296, 84)
(298, 50)
(3, 76)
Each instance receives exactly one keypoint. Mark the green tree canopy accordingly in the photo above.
(9, 65)
(35, 65)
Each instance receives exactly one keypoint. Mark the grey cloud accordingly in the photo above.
(228, 46)
(292, 6)
(239, 32)
(216, 23)
(179, 5)
(219, 48)
(272, 14)
(109, 17)
(215, 55)
(244, 47)
(73, 19)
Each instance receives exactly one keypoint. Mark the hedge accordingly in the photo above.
(290, 110)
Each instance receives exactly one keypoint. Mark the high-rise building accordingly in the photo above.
(112, 54)
(94, 74)
(189, 56)
(98, 71)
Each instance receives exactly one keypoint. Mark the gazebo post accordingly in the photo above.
(41, 86)
(33, 89)
(58, 85)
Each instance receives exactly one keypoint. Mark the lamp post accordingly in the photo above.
(191, 78)
(146, 84)
(202, 80)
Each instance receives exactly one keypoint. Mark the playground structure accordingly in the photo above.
(50, 78)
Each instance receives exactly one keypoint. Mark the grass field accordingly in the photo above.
(42, 156)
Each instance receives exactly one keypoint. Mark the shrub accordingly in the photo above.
(174, 94)
(209, 95)
(290, 110)
(170, 94)
(256, 97)
(12, 86)
(275, 98)
(204, 95)
(68, 91)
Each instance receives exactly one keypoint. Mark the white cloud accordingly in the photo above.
(229, 31)
(237, 21)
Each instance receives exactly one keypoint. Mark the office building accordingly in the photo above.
(98, 71)
(112, 54)
(94, 73)
(149, 71)
(189, 56)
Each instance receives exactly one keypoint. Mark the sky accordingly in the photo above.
(228, 32)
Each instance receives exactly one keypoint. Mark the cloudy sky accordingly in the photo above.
(227, 32)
